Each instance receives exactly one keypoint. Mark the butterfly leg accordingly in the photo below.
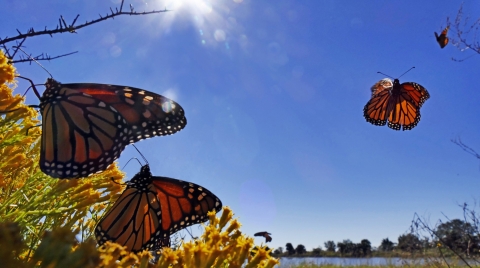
(32, 85)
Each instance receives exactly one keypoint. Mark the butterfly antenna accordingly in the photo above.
(35, 61)
(130, 160)
(144, 159)
(407, 71)
(385, 74)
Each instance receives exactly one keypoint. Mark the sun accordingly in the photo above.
(214, 20)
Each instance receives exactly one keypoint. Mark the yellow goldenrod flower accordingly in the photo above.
(227, 215)
(271, 262)
(169, 257)
(7, 71)
(234, 225)
(261, 255)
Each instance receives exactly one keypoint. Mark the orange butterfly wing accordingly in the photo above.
(442, 39)
(86, 126)
(132, 221)
(399, 104)
(183, 204)
(375, 112)
(153, 208)
(76, 141)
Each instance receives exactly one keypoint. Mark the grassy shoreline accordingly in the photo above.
(420, 262)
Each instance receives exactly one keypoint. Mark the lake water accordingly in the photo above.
(287, 262)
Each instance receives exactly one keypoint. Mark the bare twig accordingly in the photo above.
(466, 33)
(420, 225)
(42, 57)
(469, 215)
(464, 147)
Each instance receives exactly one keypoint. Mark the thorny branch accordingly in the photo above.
(63, 27)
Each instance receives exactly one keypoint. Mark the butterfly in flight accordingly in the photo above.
(399, 104)
(442, 39)
(152, 208)
(267, 236)
(86, 126)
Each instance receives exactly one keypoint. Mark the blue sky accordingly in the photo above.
(273, 93)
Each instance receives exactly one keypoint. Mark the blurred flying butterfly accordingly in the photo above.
(442, 39)
(267, 236)
(153, 208)
(86, 126)
(399, 104)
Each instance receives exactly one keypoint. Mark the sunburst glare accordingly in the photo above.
(214, 20)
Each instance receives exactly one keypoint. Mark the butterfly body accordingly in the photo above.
(86, 126)
(153, 208)
(399, 104)
(442, 39)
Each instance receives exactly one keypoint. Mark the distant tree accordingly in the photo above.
(330, 246)
(355, 250)
(409, 242)
(350, 247)
(458, 235)
(341, 247)
(346, 247)
(300, 249)
(289, 248)
(317, 251)
(279, 250)
(386, 245)
(365, 247)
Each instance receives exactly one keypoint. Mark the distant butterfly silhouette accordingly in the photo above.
(87, 126)
(399, 104)
(442, 39)
(267, 236)
(153, 208)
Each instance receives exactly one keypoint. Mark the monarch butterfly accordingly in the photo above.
(267, 236)
(152, 208)
(442, 39)
(398, 103)
(86, 126)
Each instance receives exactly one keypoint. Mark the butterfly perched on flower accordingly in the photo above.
(152, 208)
(399, 104)
(86, 126)
(442, 39)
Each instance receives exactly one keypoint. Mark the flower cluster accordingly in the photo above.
(218, 247)
(34, 201)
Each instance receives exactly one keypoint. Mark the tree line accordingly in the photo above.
(456, 234)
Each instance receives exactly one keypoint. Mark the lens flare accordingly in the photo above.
(215, 20)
